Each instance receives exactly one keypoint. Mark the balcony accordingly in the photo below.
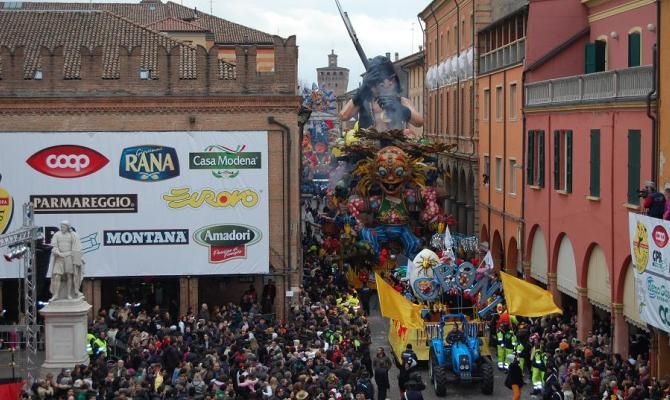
(510, 54)
(619, 85)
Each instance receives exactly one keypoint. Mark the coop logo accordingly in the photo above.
(225, 162)
(67, 161)
(146, 237)
(660, 236)
(84, 203)
(227, 242)
(183, 197)
(6, 210)
(149, 163)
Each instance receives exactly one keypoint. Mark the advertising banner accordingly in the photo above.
(144, 203)
(650, 253)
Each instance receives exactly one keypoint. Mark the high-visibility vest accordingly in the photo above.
(539, 360)
(519, 348)
(102, 346)
(90, 338)
(501, 339)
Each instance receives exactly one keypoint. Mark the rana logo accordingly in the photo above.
(149, 163)
(6, 210)
(183, 197)
(641, 247)
(223, 161)
(227, 242)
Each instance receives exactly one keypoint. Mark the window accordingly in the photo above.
(535, 158)
(634, 49)
(596, 56)
(512, 176)
(594, 181)
(633, 166)
(487, 170)
(512, 101)
(563, 160)
(499, 103)
(487, 104)
(499, 173)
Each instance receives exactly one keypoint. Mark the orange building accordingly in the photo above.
(664, 91)
(501, 51)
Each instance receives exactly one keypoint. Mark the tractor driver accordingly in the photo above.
(456, 335)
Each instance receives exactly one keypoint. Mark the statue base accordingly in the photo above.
(66, 325)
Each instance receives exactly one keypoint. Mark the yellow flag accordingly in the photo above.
(527, 300)
(395, 306)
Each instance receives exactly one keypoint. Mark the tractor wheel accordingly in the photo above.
(440, 380)
(432, 363)
(487, 377)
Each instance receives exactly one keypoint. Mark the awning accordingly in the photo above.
(538, 257)
(598, 282)
(631, 310)
(566, 270)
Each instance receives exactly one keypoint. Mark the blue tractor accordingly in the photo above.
(457, 358)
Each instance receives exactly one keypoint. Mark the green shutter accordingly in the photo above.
(601, 55)
(530, 170)
(633, 165)
(568, 161)
(589, 58)
(557, 160)
(540, 161)
(594, 187)
(634, 49)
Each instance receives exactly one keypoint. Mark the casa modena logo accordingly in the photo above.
(227, 242)
(67, 161)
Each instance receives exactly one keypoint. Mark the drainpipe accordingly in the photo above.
(504, 166)
(474, 78)
(423, 99)
(524, 160)
(651, 96)
(286, 198)
(458, 78)
(437, 60)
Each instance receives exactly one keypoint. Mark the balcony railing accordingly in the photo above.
(624, 84)
(502, 57)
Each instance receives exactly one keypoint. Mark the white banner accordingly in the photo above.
(650, 252)
(144, 203)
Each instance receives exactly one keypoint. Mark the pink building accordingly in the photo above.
(588, 141)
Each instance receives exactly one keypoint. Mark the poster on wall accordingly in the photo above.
(144, 203)
(650, 253)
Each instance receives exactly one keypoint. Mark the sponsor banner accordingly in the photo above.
(145, 203)
(650, 253)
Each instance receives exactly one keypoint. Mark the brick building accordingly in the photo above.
(333, 77)
(410, 70)
(152, 66)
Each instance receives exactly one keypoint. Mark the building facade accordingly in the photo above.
(501, 51)
(586, 136)
(449, 103)
(91, 79)
(410, 70)
(333, 77)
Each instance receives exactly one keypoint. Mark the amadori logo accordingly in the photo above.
(146, 237)
(227, 242)
(67, 161)
(83, 203)
(149, 163)
(225, 162)
(183, 197)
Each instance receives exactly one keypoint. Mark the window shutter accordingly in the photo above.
(633, 165)
(557, 160)
(601, 55)
(594, 189)
(589, 58)
(530, 168)
(568, 161)
(540, 161)
(634, 49)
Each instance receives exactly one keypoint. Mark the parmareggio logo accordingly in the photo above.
(183, 197)
(661, 293)
(227, 242)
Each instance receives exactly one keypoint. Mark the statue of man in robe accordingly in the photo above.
(66, 264)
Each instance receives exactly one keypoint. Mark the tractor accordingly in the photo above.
(457, 358)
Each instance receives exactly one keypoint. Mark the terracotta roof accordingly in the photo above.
(148, 12)
(172, 24)
(73, 30)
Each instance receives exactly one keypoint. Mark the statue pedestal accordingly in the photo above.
(66, 325)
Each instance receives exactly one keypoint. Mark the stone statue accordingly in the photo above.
(66, 264)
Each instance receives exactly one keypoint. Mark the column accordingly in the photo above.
(462, 222)
(87, 290)
(662, 354)
(653, 351)
(552, 286)
(470, 219)
(526, 270)
(584, 314)
(193, 294)
(183, 296)
(97, 296)
(620, 340)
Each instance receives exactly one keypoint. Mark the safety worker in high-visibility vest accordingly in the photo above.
(90, 338)
(510, 344)
(500, 346)
(100, 347)
(538, 367)
(518, 353)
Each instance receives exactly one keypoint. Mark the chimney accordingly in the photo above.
(388, 55)
(396, 56)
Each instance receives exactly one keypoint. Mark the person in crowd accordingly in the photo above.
(653, 201)
(382, 364)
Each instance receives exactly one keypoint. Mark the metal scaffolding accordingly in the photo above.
(22, 246)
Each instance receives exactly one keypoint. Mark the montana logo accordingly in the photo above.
(67, 161)
(227, 242)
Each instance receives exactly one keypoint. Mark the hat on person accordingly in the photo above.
(650, 184)
(667, 186)
(302, 395)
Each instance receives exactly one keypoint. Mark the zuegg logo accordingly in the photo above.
(182, 197)
(67, 161)
(149, 163)
(227, 242)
